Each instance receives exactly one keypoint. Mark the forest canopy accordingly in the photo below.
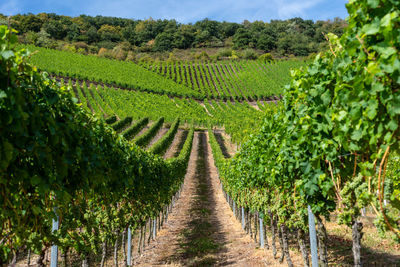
(89, 34)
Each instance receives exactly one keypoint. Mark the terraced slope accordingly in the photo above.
(230, 79)
(121, 73)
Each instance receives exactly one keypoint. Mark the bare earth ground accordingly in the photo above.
(377, 250)
(232, 148)
(162, 251)
(174, 147)
(205, 108)
(201, 230)
(144, 129)
(254, 105)
(159, 134)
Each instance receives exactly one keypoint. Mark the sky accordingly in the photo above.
(184, 11)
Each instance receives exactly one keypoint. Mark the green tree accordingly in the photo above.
(129, 34)
(242, 38)
(211, 26)
(266, 41)
(56, 29)
(228, 29)
(145, 31)
(30, 23)
(184, 37)
(110, 33)
(163, 42)
(92, 35)
(295, 44)
(201, 37)
(43, 39)
(73, 32)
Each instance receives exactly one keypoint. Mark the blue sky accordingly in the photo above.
(184, 11)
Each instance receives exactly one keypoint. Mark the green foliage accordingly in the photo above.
(292, 35)
(267, 57)
(179, 164)
(28, 23)
(56, 155)
(242, 38)
(109, 33)
(135, 129)
(145, 138)
(328, 145)
(250, 54)
(111, 120)
(107, 71)
(163, 42)
(230, 79)
(294, 44)
(162, 145)
(44, 40)
(120, 125)
(225, 53)
(56, 29)
(267, 41)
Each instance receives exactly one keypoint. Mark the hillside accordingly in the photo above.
(205, 162)
(137, 40)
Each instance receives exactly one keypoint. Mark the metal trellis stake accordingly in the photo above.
(129, 247)
(154, 228)
(313, 237)
(262, 241)
(243, 222)
(54, 248)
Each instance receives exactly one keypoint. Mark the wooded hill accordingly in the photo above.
(127, 38)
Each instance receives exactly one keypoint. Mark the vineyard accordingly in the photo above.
(230, 80)
(113, 163)
(234, 80)
(238, 118)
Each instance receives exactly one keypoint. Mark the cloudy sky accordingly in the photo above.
(184, 10)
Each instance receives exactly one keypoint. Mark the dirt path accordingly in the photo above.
(201, 230)
(205, 108)
(254, 105)
(239, 249)
(144, 129)
(232, 148)
(157, 137)
(223, 145)
(174, 148)
(164, 250)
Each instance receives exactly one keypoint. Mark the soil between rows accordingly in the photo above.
(201, 230)
(177, 144)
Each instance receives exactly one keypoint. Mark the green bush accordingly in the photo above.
(225, 53)
(267, 57)
(203, 56)
(250, 54)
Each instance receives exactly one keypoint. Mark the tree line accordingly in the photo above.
(89, 34)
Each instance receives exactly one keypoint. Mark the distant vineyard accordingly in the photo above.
(230, 79)
(118, 73)
(239, 119)
(234, 80)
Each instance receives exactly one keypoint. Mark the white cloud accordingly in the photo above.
(292, 8)
(10, 7)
